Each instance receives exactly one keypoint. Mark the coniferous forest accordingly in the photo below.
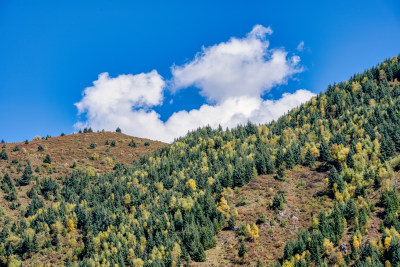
(167, 208)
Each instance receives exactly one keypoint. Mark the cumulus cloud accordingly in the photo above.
(231, 75)
(108, 105)
(238, 67)
(111, 99)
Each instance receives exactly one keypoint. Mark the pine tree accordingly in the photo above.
(36, 204)
(350, 210)
(260, 164)
(279, 158)
(26, 176)
(349, 159)
(47, 159)
(289, 159)
(6, 184)
(118, 130)
(231, 222)
(3, 155)
(335, 178)
(269, 165)
(280, 175)
(242, 249)
(309, 159)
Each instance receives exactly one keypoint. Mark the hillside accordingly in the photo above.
(316, 187)
(93, 153)
(67, 149)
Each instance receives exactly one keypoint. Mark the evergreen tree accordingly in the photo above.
(269, 165)
(289, 159)
(47, 159)
(309, 159)
(335, 178)
(26, 176)
(132, 143)
(260, 164)
(36, 204)
(279, 158)
(231, 222)
(324, 151)
(350, 211)
(242, 249)
(3, 155)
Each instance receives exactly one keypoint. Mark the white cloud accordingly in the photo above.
(300, 46)
(234, 111)
(232, 76)
(239, 67)
(110, 99)
(108, 105)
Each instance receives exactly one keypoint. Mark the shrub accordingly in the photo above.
(95, 156)
(118, 130)
(40, 148)
(16, 148)
(132, 143)
(146, 143)
(242, 202)
(93, 146)
(262, 219)
(278, 202)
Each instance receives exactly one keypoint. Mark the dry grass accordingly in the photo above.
(64, 151)
(304, 192)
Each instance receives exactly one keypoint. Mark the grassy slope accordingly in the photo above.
(64, 151)
(306, 196)
(304, 192)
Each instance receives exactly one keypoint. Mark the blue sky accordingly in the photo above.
(50, 51)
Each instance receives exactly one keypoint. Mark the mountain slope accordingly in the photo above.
(166, 209)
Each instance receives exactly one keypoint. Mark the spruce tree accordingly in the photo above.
(289, 159)
(260, 164)
(309, 159)
(242, 249)
(47, 159)
(26, 176)
(3, 155)
(279, 158)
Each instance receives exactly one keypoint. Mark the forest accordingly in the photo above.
(167, 208)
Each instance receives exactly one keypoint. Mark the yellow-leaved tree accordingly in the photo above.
(70, 225)
(223, 207)
(191, 183)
